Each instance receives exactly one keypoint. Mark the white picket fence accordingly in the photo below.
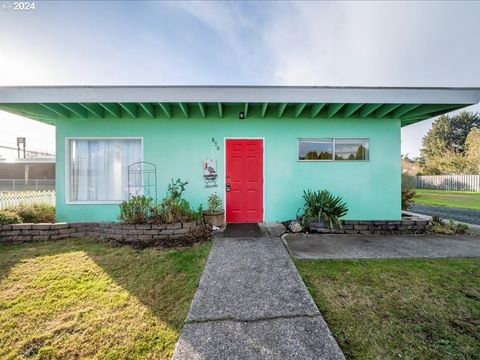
(12, 199)
(449, 182)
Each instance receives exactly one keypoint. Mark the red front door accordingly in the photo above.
(244, 180)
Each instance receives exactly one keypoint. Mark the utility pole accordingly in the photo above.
(21, 141)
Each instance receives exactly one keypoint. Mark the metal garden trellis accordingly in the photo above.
(142, 179)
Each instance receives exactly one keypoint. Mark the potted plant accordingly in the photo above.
(214, 215)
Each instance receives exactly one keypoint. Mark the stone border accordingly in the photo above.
(472, 228)
(143, 235)
(404, 226)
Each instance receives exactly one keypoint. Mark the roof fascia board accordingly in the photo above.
(237, 94)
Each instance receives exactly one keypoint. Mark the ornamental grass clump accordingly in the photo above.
(322, 206)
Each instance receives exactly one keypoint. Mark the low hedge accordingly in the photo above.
(9, 217)
(36, 213)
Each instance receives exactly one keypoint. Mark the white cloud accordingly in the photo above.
(375, 44)
(222, 17)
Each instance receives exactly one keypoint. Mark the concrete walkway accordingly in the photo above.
(341, 246)
(252, 304)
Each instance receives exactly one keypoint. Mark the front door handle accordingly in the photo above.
(228, 187)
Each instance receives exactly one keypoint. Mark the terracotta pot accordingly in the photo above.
(214, 218)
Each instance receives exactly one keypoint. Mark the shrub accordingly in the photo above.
(137, 210)
(408, 191)
(323, 206)
(36, 213)
(407, 198)
(214, 203)
(9, 217)
(451, 228)
(174, 207)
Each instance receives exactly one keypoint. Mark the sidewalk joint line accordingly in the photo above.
(253, 320)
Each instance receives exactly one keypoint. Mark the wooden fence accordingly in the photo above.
(449, 182)
(12, 199)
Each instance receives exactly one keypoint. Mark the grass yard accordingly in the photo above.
(399, 308)
(454, 199)
(83, 299)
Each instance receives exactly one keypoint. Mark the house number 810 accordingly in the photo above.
(215, 143)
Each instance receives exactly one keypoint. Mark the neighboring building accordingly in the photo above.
(265, 144)
(27, 174)
(27, 169)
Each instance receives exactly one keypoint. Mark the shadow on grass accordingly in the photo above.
(164, 280)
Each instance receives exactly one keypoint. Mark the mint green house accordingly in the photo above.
(257, 147)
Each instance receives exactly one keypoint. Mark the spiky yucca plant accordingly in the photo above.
(323, 206)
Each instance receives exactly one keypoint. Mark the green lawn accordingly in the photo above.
(83, 299)
(399, 309)
(455, 199)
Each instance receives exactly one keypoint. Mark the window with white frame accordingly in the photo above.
(97, 168)
(333, 149)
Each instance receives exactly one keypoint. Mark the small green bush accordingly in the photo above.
(36, 213)
(174, 207)
(408, 191)
(451, 228)
(407, 198)
(214, 203)
(137, 210)
(9, 217)
(323, 206)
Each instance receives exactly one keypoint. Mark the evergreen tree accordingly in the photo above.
(361, 152)
(311, 155)
(448, 133)
(325, 155)
(472, 151)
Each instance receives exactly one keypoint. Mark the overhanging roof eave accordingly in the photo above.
(237, 94)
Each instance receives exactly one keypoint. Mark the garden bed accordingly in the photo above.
(408, 225)
(139, 236)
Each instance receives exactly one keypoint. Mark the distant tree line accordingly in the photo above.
(313, 155)
(451, 146)
(361, 154)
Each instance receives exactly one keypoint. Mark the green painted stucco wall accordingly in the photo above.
(179, 145)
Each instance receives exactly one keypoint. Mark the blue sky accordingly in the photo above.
(250, 43)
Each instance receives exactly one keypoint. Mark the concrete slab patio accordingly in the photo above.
(252, 304)
(343, 246)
